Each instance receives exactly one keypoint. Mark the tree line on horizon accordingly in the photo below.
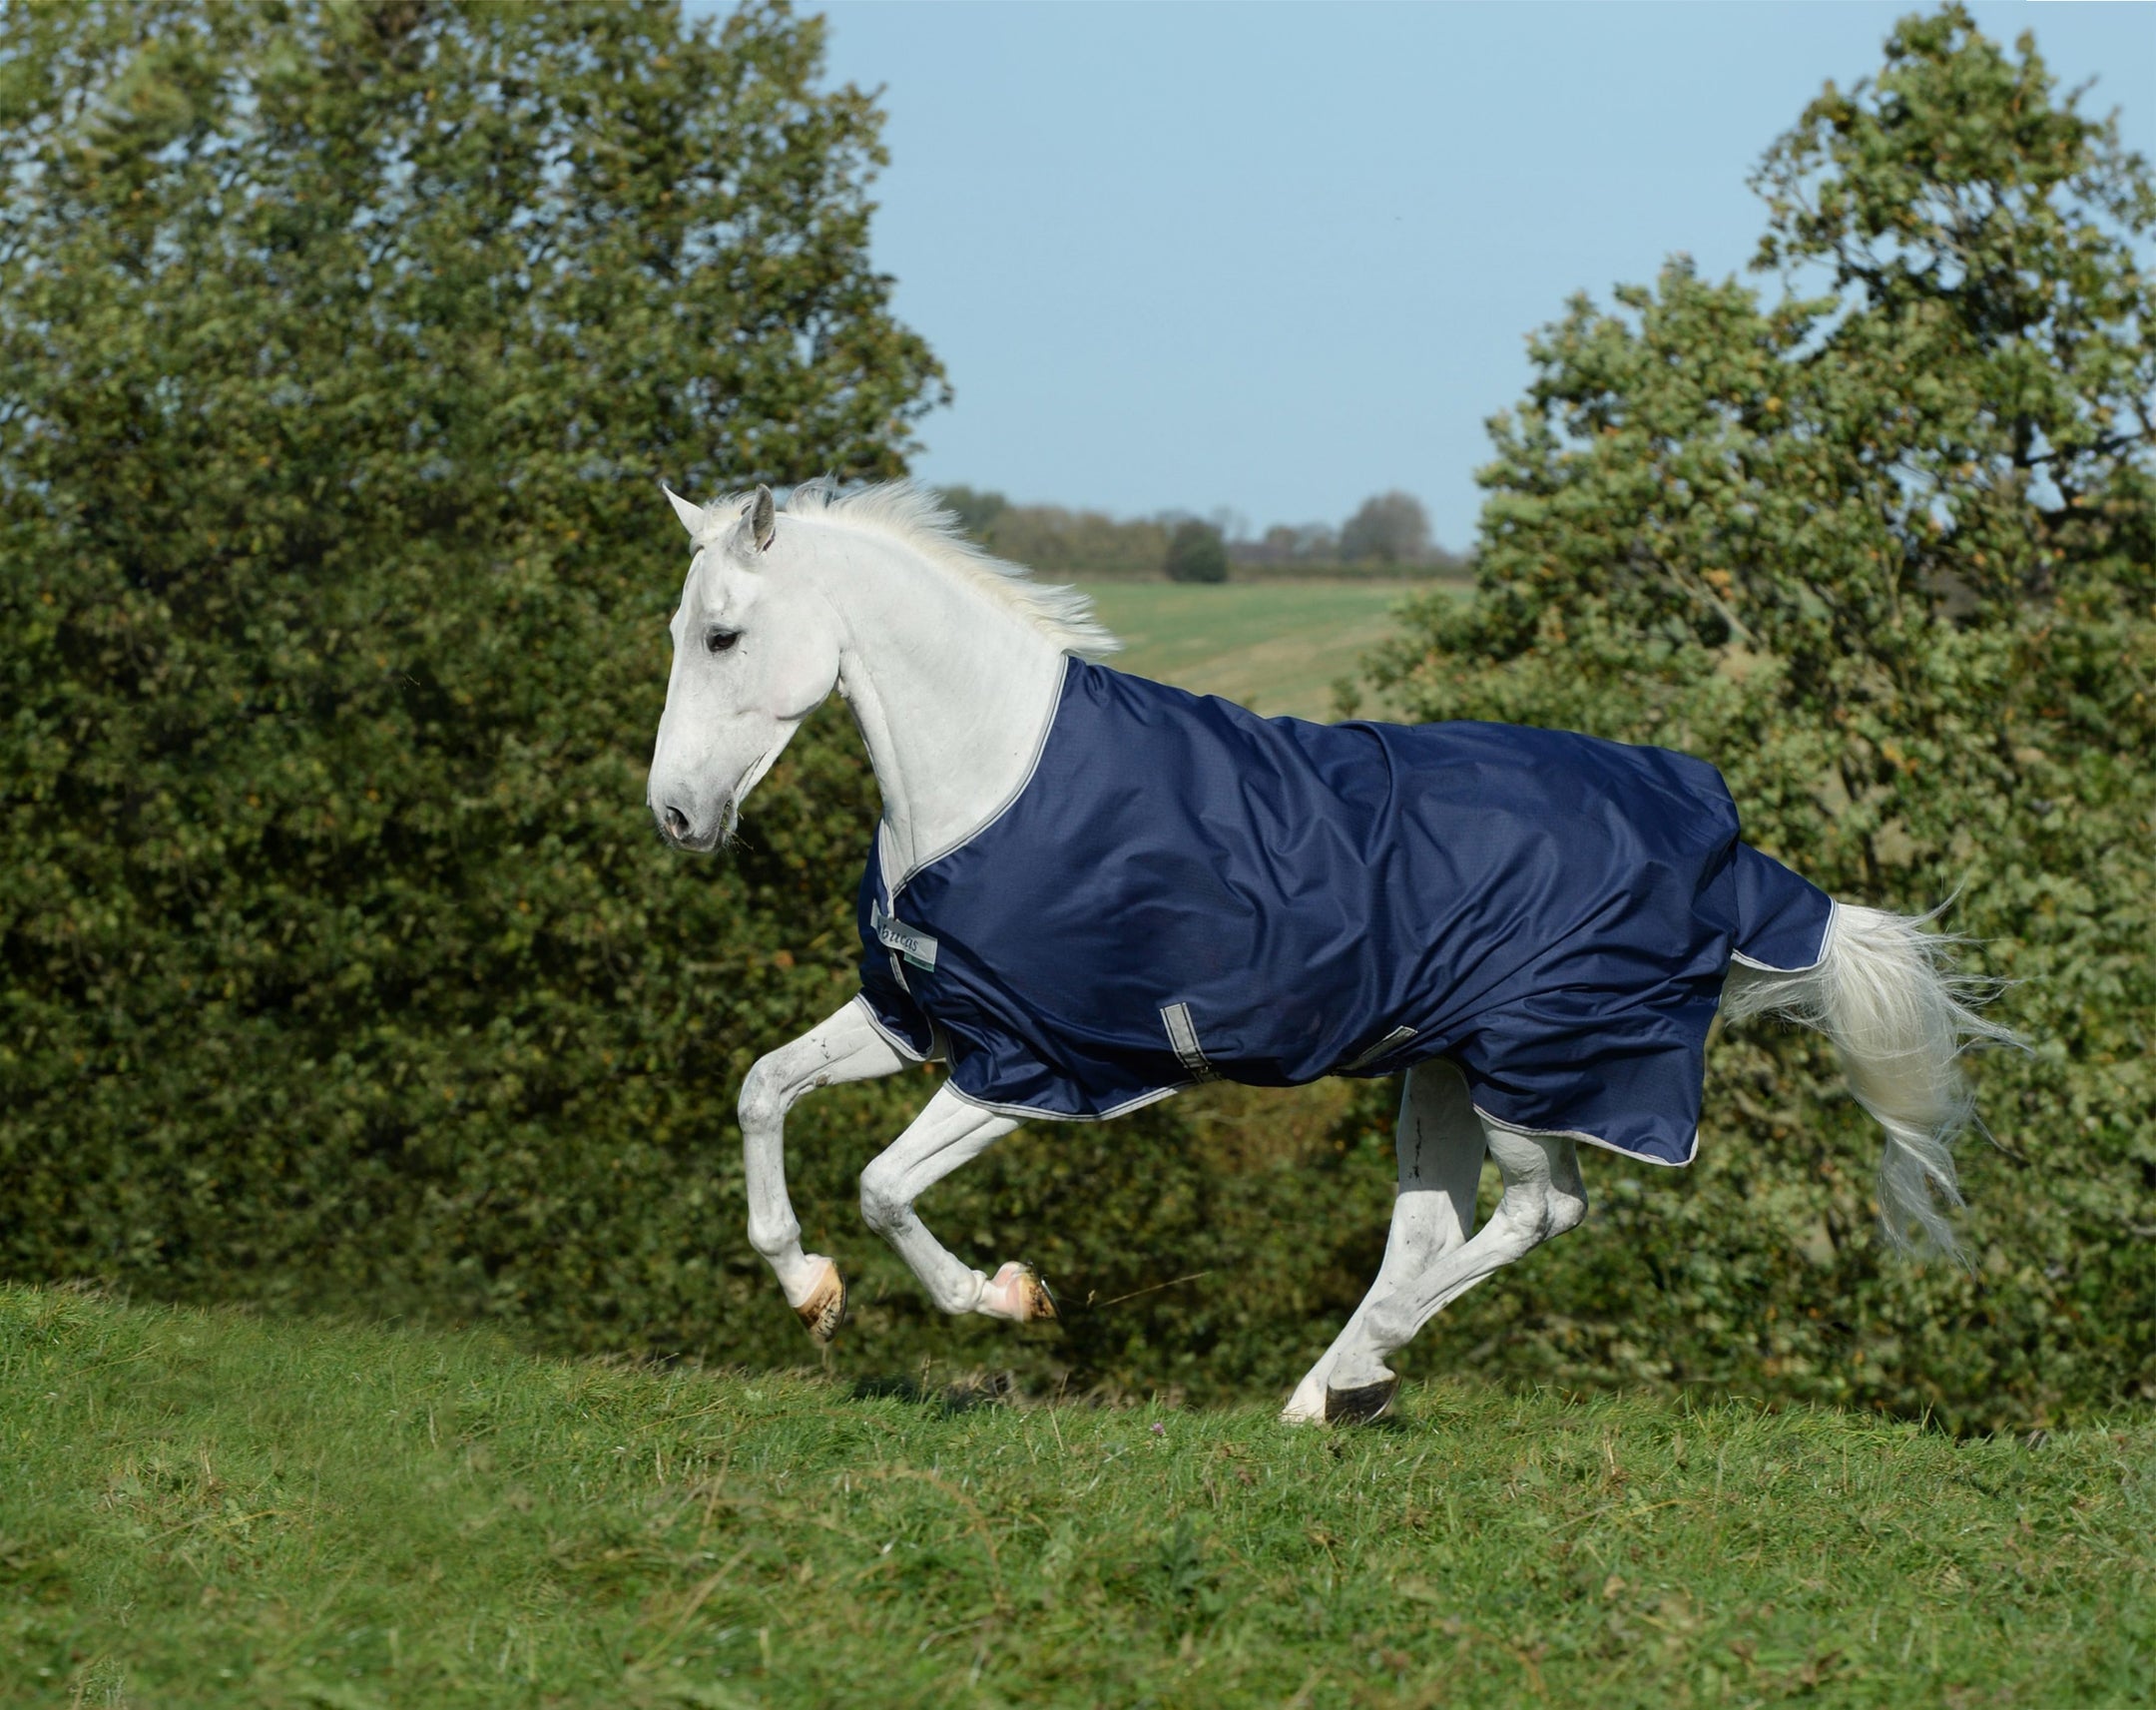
(1389, 531)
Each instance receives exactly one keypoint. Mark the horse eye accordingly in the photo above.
(721, 640)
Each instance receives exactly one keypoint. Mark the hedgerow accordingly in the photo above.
(339, 966)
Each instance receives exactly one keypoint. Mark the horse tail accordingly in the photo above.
(1885, 991)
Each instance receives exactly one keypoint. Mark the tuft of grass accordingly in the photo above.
(206, 1508)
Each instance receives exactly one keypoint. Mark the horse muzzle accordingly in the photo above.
(678, 825)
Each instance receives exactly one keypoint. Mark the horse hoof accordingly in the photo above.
(1026, 1299)
(1306, 1405)
(824, 1309)
(1364, 1405)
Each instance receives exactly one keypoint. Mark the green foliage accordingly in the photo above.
(341, 961)
(1387, 537)
(1883, 549)
(349, 347)
(1196, 553)
(203, 1511)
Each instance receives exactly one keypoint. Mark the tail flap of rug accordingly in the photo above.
(1781, 917)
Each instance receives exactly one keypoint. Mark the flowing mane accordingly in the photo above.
(902, 511)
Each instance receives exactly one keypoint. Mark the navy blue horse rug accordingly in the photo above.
(1180, 890)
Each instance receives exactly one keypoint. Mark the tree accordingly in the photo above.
(1391, 528)
(1289, 543)
(1196, 553)
(346, 347)
(1883, 547)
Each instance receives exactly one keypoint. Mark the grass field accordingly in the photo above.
(201, 1508)
(1276, 647)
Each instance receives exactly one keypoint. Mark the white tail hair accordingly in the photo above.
(1887, 993)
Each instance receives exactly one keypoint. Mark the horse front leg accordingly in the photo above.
(947, 1133)
(1439, 1147)
(845, 1047)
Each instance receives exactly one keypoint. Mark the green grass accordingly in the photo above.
(204, 1508)
(1276, 647)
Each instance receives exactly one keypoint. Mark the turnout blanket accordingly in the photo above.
(1181, 889)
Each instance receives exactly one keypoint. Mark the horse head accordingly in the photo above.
(755, 651)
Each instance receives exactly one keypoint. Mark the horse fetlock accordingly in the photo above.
(775, 1239)
(823, 1308)
(1016, 1292)
(1567, 1211)
(957, 1293)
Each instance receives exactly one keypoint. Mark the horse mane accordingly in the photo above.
(913, 516)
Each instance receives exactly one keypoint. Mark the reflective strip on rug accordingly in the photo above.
(1183, 1037)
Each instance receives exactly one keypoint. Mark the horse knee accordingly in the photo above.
(763, 1101)
(883, 1204)
(1567, 1210)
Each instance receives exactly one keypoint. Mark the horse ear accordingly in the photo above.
(762, 520)
(692, 516)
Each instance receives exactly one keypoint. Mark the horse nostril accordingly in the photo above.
(677, 824)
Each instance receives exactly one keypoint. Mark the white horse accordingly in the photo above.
(953, 664)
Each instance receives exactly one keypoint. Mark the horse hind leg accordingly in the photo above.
(1543, 1195)
(1439, 1146)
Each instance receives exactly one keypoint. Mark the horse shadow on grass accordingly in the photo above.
(974, 1390)
(964, 1395)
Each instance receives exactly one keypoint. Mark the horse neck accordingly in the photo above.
(950, 688)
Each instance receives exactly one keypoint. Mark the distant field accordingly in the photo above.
(1276, 647)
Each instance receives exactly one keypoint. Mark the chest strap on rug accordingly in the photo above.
(893, 935)
(1183, 1036)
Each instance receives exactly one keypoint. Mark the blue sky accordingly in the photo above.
(1276, 258)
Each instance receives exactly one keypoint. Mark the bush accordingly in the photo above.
(1886, 556)
(350, 345)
